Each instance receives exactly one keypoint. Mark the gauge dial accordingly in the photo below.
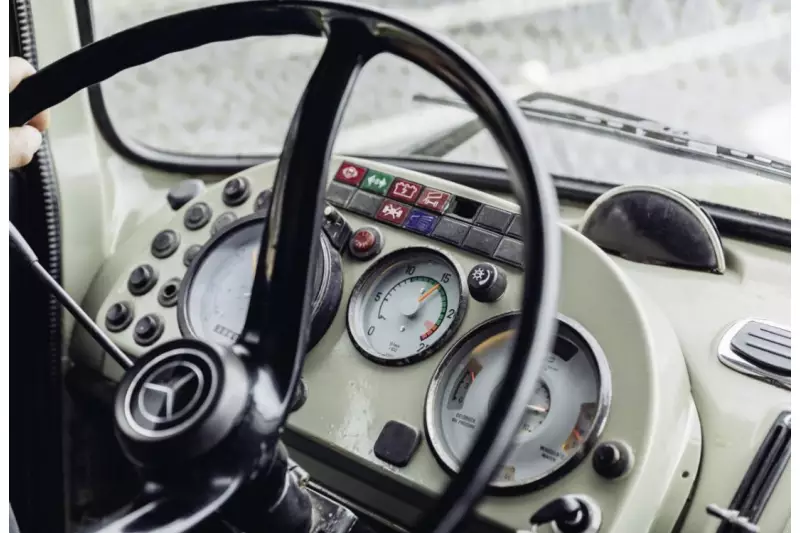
(406, 305)
(565, 413)
(216, 292)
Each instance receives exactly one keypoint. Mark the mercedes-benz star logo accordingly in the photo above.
(170, 392)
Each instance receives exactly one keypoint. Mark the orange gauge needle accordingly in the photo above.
(427, 293)
(536, 408)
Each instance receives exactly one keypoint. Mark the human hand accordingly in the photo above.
(24, 141)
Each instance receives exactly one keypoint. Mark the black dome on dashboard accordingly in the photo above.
(651, 224)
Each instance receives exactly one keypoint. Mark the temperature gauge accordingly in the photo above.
(406, 306)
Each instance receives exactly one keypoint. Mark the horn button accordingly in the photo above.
(180, 401)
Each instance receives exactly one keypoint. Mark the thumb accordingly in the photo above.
(22, 144)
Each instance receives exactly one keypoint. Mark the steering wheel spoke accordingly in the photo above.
(275, 332)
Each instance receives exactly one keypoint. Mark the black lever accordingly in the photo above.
(568, 512)
(19, 243)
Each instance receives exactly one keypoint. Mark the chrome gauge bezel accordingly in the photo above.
(326, 301)
(373, 274)
(449, 363)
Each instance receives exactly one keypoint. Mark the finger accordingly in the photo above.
(22, 144)
(18, 70)
(41, 121)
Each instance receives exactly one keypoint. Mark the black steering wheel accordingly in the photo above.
(213, 445)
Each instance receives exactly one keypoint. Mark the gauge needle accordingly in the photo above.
(427, 293)
(536, 408)
(412, 307)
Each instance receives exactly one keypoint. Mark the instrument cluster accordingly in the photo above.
(405, 305)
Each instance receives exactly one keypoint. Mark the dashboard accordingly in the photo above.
(416, 299)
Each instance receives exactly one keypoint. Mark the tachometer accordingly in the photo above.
(566, 412)
(406, 306)
(216, 290)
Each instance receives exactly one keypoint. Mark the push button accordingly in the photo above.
(493, 218)
(236, 191)
(511, 251)
(164, 244)
(184, 192)
(168, 295)
(197, 216)
(223, 220)
(350, 174)
(119, 316)
(263, 200)
(190, 253)
(481, 241)
(148, 329)
(142, 279)
(397, 443)
(366, 243)
(515, 229)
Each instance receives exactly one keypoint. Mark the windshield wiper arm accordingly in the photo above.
(617, 124)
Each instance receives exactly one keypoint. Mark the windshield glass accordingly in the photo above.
(717, 69)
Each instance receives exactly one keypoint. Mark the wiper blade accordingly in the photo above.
(620, 125)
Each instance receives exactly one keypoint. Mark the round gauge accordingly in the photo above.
(566, 412)
(215, 293)
(406, 306)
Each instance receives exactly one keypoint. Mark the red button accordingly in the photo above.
(392, 212)
(434, 200)
(363, 240)
(350, 173)
(405, 191)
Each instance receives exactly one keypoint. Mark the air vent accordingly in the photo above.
(759, 481)
(760, 349)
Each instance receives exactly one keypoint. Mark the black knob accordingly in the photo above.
(569, 513)
(263, 200)
(611, 460)
(236, 191)
(197, 216)
(487, 282)
(142, 279)
(119, 316)
(182, 193)
(148, 329)
(164, 244)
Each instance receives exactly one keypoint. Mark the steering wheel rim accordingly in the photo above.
(355, 35)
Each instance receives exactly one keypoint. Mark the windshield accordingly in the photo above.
(718, 70)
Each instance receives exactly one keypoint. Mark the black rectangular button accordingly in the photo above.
(515, 229)
(510, 251)
(365, 203)
(339, 194)
(493, 218)
(481, 241)
(397, 443)
(451, 231)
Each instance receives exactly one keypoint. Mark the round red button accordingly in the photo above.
(363, 240)
(366, 243)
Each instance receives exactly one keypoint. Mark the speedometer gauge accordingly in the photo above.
(566, 411)
(215, 293)
(406, 306)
